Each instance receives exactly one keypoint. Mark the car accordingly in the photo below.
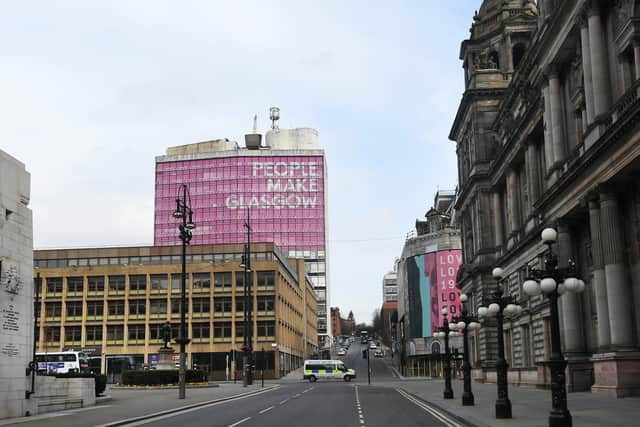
(378, 353)
(327, 369)
(341, 352)
(373, 345)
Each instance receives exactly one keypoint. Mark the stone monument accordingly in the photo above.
(165, 360)
(16, 287)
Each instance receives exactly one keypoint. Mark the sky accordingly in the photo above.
(91, 92)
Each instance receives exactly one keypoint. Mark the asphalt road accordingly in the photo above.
(323, 403)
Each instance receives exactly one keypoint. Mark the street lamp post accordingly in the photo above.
(183, 211)
(466, 322)
(444, 332)
(553, 282)
(501, 306)
(247, 348)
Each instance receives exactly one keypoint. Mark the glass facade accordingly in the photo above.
(282, 195)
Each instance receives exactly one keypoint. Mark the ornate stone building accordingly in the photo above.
(547, 135)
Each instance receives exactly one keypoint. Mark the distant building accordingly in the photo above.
(336, 324)
(388, 312)
(427, 272)
(113, 302)
(281, 186)
(16, 288)
(390, 285)
(348, 325)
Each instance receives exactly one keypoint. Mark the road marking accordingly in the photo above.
(150, 418)
(240, 422)
(360, 415)
(297, 395)
(435, 413)
(266, 410)
(284, 401)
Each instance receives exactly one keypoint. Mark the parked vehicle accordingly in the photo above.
(327, 369)
(378, 353)
(342, 352)
(62, 362)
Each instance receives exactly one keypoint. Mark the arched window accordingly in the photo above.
(517, 53)
(435, 347)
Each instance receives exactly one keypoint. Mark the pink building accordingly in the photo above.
(281, 188)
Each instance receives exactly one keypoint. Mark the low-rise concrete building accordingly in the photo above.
(113, 302)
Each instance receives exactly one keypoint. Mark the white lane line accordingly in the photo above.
(360, 415)
(435, 413)
(240, 422)
(284, 401)
(297, 395)
(191, 408)
(266, 410)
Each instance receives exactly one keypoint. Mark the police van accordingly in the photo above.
(327, 369)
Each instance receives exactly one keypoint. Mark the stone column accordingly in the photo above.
(533, 177)
(557, 124)
(618, 291)
(599, 278)
(548, 125)
(512, 201)
(636, 56)
(586, 68)
(508, 52)
(498, 226)
(599, 62)
(572, 325)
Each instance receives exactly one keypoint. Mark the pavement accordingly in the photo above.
(530, 406)
(390, 400)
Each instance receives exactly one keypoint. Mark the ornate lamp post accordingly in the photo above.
(183, 211)
(501, 306)
(247, 347)
(445, 332)
(465, 323)
(553, 282)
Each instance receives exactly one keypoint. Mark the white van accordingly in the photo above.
(327, 369)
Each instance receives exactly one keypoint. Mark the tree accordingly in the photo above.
(377, 325)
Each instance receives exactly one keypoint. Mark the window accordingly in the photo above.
(175, 306)
(158, 307)
(73, 334)
(94, 333)
(267, 278)
(240, 278)
(137, 307)
(239, 329)
(138, 282)
(159, 282)
(115, 333)
(54, 285)
(201, 305)
(222, 330)
(176, 282)
(200, 331)
(116, 308)
(95, 308)
(74, 309)
(116, 283)
(52, 334)
(239, 305)
(222, 305)
(136, 332)
(202, 281)
(155, 331)
(75, 286)
(222, 280)
(527, 354)
(53, 309)
(266, 328)
(96, 283)
(266, 303)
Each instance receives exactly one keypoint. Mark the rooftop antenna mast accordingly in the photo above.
(274, 115)
(255, 123)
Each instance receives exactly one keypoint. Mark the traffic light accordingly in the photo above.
(365, 354)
